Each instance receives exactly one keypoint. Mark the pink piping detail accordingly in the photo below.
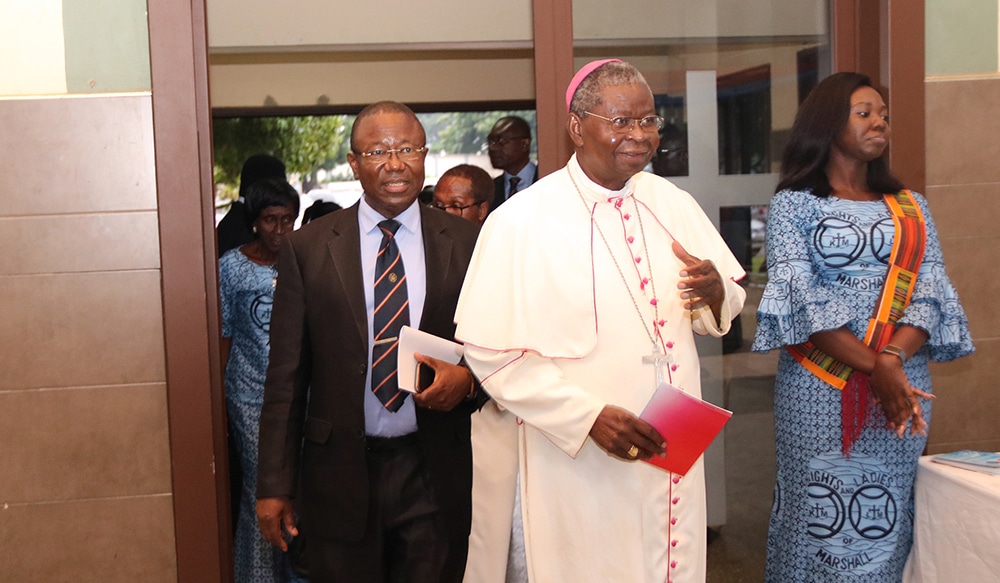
(512, 361)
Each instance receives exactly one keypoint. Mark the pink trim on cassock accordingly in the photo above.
(593, 270)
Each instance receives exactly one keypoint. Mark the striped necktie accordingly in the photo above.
(391, 314)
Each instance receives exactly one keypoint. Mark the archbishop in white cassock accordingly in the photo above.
(572, 283)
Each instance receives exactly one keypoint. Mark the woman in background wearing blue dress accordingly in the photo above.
(247, 278)
(858, 302)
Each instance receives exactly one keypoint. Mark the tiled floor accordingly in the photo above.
(736, 550)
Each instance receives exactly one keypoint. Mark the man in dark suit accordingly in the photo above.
(509, 146)
(234, 229)
(383, 484)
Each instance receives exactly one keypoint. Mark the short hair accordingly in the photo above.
(482, 184)
(588, 94)
(270, 192)
(426, 195)
(318, 209)
(381, 107)
(819, 122)
(515, 123)
(260, 166)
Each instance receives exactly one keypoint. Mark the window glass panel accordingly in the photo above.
(728, 77)
(314, 149)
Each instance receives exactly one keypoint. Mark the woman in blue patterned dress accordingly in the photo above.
(843, 502)
(247, 277)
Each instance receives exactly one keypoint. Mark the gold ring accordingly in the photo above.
(633, 451)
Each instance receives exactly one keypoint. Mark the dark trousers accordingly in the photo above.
(405, 539)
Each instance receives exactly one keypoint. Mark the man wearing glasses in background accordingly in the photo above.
(381, 477)
(583, 295)
(464, 190)
(509, 144)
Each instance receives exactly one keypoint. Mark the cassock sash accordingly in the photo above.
(904, 263)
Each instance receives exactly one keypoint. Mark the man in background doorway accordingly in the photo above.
(509, 145)
(465, 190)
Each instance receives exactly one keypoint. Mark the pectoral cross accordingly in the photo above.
(658, 360)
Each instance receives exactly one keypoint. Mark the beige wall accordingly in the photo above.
(963, 189)
(86, 486)
(235, 25)
(301, 79)
(86, 489)
(314, 52)
(33, 49)
(702, 19)
(265, 24)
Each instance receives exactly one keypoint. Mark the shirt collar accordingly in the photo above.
(592, 191)
(369, 218)
(527, 175)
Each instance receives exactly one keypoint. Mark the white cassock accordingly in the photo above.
(552, 331)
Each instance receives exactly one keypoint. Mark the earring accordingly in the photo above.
(255, 229)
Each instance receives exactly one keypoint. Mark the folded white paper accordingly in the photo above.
(412, 340)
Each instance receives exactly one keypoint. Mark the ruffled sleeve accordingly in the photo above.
(935, 307)
(796, 301)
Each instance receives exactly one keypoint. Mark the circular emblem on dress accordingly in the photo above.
(260, 311)
(852, 512)
(883, 233)
(838, 242)
(873, 511)
(826, 511)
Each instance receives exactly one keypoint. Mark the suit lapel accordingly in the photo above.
(437, 257)
(344, 245)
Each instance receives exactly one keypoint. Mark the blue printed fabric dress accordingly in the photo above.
(247, 292)
(834, 518)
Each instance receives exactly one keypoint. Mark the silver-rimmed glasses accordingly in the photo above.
(621, 125)
(381, 155)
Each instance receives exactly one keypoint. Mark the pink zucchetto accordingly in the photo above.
(581, 75)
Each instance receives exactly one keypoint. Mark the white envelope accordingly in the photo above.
(412, 340)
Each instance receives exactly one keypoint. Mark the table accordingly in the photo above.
(956, 536)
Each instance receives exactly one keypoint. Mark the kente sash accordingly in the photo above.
(904, 263)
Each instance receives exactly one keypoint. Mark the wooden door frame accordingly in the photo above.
(885, 40)
(185, 198)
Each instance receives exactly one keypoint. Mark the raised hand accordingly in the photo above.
(700, 281)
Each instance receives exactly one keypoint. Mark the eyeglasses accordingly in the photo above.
(381, 156)
(454, 207)
(621, 125)
(503, 141)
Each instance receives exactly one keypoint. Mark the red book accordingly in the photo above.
(687, 423)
